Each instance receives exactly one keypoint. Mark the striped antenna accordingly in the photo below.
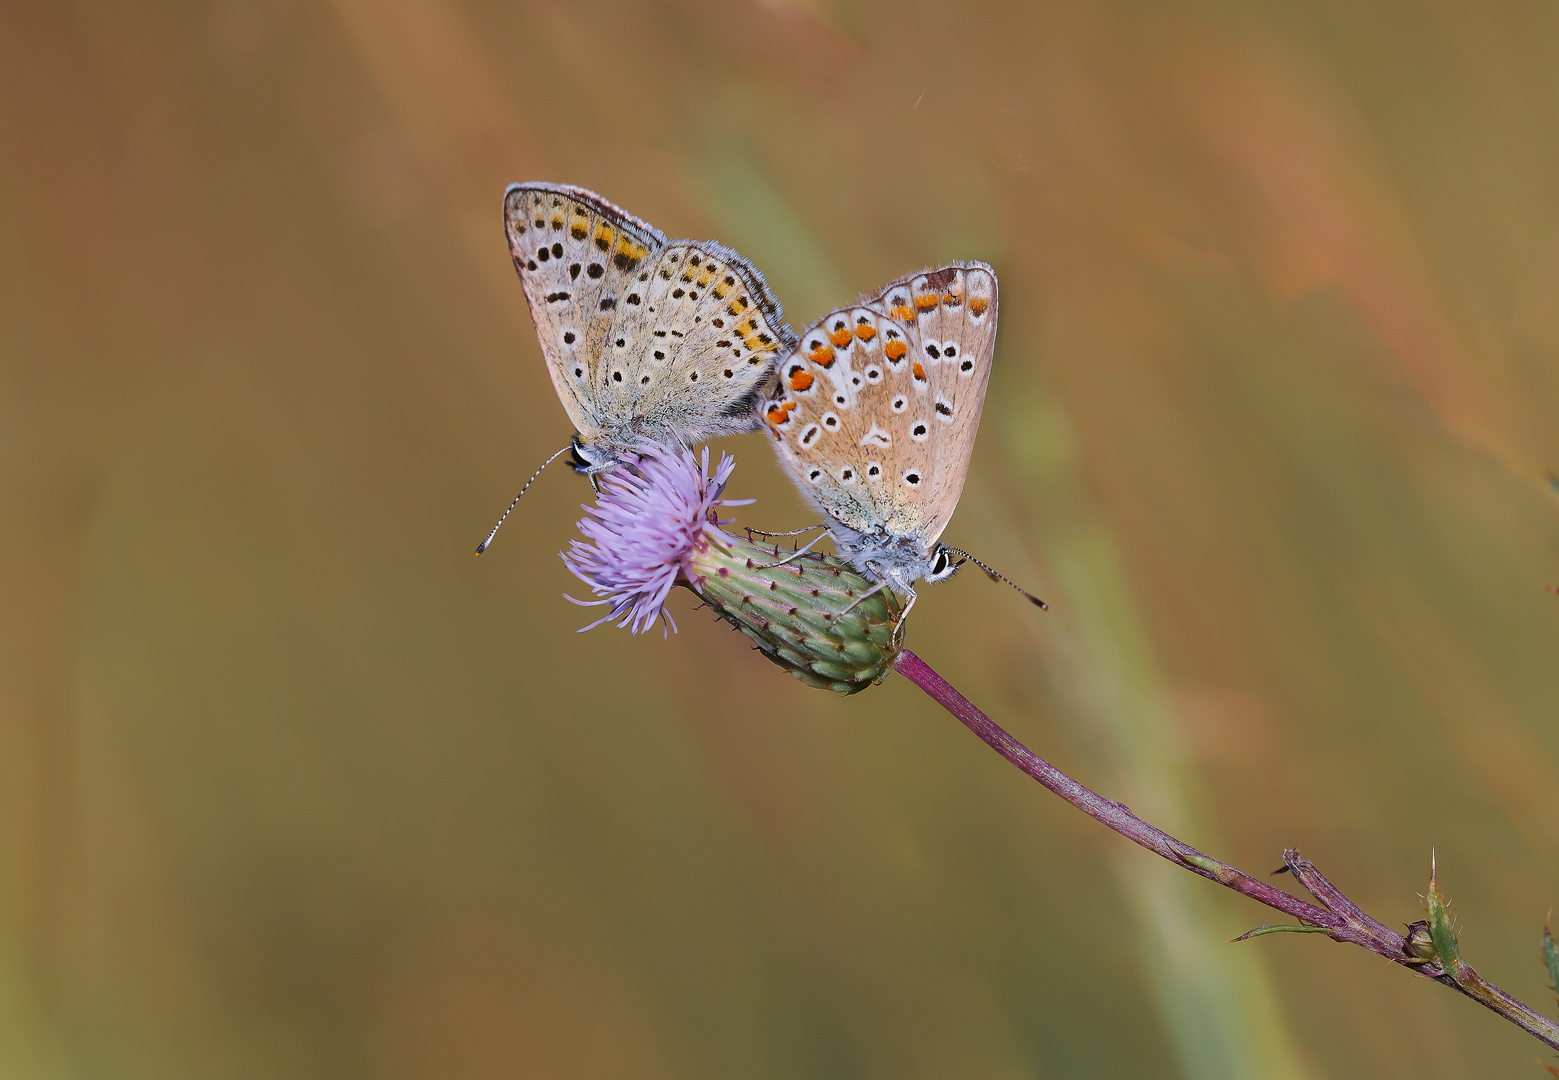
(483, 545)
(994, 576)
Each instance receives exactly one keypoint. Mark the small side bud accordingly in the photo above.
(1419, 943)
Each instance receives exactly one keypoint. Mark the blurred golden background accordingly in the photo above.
(291, 786)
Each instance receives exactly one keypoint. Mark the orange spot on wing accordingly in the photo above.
(978, 304)
(778, 414)
(920, 372)
(801, 380)
(902, 313)
(895, 350)
(865, 333)
(840, 338)
(926, 301)
(822, 356)
(951, 299)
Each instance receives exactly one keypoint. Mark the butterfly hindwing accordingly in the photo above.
(643, 338)
(694, 346)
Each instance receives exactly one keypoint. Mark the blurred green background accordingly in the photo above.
(291, 786)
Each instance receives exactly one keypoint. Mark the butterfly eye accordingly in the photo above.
(942, 567)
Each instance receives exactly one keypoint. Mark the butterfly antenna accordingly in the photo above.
(994, 576)
(484, 544)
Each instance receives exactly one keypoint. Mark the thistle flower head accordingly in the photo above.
(655, 526)
(652, 517)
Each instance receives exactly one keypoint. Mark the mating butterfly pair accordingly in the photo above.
(873, 410)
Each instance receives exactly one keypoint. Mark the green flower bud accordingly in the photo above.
(805, 614)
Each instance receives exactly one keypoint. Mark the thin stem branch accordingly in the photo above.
(1335, 915)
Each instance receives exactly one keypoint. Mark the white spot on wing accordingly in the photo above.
(876, 437)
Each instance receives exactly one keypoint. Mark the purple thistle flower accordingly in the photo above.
(640, 537)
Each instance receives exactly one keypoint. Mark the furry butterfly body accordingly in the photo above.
(876, 414)
(644, 338)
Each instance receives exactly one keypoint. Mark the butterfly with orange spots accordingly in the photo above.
(876, 413)
(645, 338)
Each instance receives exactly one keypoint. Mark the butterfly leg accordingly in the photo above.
(898, 629)
(792, 532)
(795, 554)
(874, 590)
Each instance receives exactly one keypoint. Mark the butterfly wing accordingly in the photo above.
(694, 347)
(642, 337)
(572, 249)
(878, 406)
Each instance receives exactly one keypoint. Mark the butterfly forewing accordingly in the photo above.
(573, 251)
(878, 406)
(955, 321)
(673, 341)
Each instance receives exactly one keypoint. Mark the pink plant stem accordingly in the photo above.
(1340, 919)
